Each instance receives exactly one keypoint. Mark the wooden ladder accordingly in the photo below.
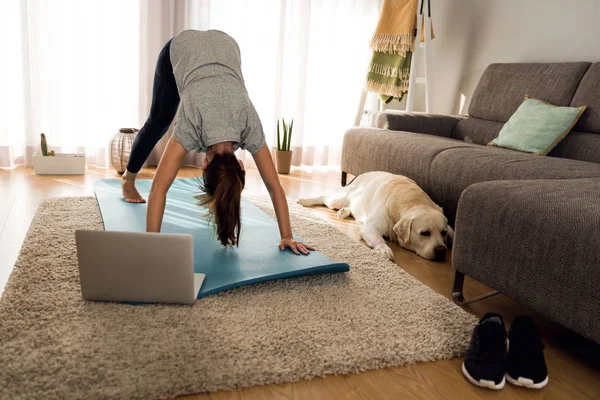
(421, 48)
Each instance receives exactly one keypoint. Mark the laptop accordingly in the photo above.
(137, 267)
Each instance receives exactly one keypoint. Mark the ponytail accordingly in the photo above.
(224, 180)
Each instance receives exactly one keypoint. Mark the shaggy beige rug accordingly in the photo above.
(54, 345)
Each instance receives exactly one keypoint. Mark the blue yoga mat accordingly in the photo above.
(257, 259)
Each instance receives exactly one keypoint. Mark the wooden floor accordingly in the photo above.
(573, 362)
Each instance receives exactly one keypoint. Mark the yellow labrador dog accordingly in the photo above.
(393, 206)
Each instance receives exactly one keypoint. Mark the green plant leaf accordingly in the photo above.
(44, 145)
(289, 143)
(278, 137)
(285, 135)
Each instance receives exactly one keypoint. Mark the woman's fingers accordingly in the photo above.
(302, 248)
(294, 248)
(297, 247)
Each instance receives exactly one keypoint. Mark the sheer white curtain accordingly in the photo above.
(69, 69)
(301, 59)
(79, 70)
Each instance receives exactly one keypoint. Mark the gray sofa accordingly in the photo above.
(527, 226)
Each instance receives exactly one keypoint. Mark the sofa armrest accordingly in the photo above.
(538, 242)
(432, 124)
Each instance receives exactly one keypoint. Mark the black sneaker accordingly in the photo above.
(484, 362)
(525, 364)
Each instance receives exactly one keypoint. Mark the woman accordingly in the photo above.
(199, 74)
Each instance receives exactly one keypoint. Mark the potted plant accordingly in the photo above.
(284, 154)
(50, 163)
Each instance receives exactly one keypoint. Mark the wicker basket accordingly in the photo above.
(120, 148)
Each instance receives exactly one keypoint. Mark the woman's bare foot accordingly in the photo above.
(130, 193)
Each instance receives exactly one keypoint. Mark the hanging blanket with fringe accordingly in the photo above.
(392, 45)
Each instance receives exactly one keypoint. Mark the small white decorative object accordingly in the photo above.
(120, 148)
(59, 164)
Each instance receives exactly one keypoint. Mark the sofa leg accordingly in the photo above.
(457, 291)
(344, 177)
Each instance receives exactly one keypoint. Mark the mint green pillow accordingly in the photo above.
(536, 127)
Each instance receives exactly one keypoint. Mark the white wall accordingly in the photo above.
(471, 34)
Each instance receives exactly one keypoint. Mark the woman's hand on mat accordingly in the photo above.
(297, 247)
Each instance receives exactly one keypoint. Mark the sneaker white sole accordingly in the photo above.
(525, 382)
(484, 383)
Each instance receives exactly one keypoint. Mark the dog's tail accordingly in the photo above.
(311, 201)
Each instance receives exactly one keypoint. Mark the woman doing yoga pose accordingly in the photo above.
(198, 75)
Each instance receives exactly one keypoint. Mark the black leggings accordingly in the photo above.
(165, 100)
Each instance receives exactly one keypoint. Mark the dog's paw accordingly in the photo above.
(343, 213)
(385, 251)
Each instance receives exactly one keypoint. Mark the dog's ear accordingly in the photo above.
(402, 230)
(450, 239)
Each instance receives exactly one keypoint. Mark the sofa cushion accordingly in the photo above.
(454, 170)
(432, 124)
(537, 127)
(588, 94)
(402, 153)
(537, 242)
(503, 87)
(581, 146)
(476, 130)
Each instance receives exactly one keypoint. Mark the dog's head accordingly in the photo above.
(424, 231)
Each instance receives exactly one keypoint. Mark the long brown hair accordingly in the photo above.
(224, 179)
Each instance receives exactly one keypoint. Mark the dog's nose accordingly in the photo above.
(440, 253)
